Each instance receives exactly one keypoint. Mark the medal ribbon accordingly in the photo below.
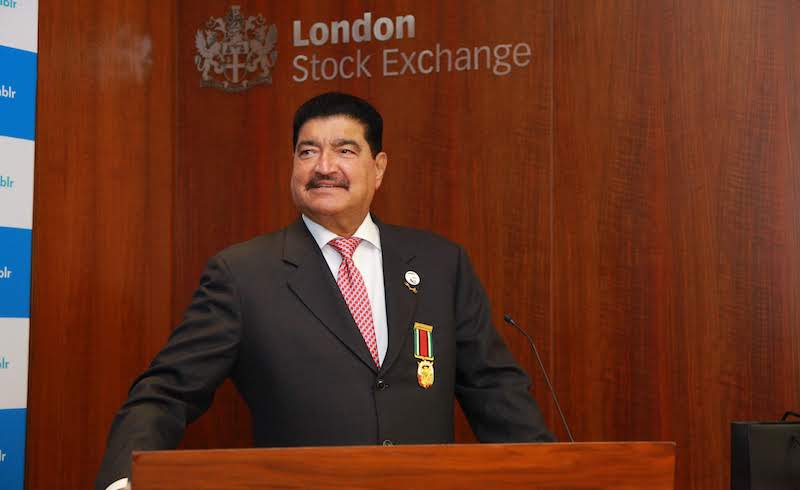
(423, 341)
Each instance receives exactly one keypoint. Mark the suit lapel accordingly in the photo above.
(400, 301)
(314, 285)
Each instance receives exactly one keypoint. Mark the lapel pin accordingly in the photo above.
(412, 280)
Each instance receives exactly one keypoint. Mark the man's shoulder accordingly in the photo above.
(262, 247)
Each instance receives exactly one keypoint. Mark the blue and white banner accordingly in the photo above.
(18, 57)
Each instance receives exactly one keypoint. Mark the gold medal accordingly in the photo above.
(423, 350)
(425, 374)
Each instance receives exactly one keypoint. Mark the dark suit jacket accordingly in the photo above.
(268, 314)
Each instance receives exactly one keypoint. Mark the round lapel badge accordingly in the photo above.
(412, 278)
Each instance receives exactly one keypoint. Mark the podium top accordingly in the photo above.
(587, 465)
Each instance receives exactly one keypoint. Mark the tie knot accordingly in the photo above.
(345, 246)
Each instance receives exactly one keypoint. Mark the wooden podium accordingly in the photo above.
(617, 465)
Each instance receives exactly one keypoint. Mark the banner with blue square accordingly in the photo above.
(12, 448)
(17, 92)
(15, 272)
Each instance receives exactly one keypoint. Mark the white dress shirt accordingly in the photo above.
(120, 484)
(368, 260)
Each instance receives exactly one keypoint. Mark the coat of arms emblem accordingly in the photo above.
(235, 53)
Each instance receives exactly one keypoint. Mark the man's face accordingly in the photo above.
(335, 174)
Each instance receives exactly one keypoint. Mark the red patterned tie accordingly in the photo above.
(355, 292)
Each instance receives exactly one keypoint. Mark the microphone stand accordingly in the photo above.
(511, 322)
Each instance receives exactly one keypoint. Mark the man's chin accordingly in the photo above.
(323, 209)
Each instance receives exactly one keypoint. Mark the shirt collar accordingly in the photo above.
(368, 232)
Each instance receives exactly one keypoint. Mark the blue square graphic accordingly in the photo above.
(17, 93)
(15, 273)
(12, 448)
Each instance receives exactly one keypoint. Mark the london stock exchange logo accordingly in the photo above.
(235, 53)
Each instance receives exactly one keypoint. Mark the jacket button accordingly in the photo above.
(388, 442)
(381, 385)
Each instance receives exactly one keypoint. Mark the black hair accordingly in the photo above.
(339, 104)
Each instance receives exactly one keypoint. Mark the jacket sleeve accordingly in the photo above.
(492, 389)
(180, 383)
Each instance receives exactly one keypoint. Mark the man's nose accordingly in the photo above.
(325, 163)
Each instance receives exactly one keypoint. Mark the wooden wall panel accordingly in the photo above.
(676, 221)
(632, 198)
(469, 156)
(103, 230)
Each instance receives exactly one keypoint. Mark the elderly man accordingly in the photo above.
(336, 330)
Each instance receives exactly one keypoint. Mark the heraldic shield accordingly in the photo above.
(235, 52)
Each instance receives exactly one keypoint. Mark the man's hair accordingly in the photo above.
(338, 104)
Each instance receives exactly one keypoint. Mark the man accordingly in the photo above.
(337, 330)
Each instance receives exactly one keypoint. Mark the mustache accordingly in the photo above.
(318, 181)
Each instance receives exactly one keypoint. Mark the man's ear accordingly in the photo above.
(381, 160)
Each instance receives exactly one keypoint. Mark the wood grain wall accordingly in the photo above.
(632, 197)
(102, 248)
(676, 212)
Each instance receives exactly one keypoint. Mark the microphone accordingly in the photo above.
(511, 322)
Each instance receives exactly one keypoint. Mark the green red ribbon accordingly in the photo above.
(423, 341)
